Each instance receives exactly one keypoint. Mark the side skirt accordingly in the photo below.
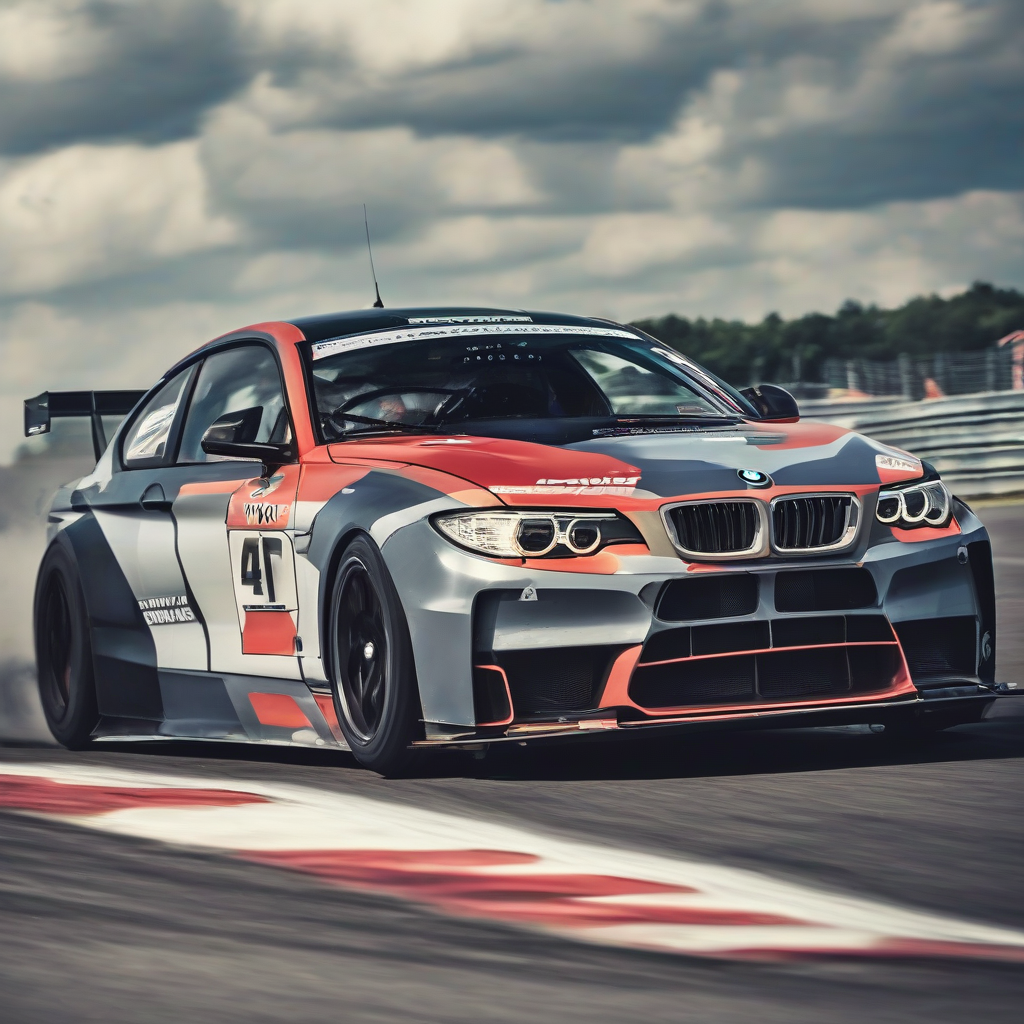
(222, 707)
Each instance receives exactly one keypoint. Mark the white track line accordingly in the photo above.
(475, 868)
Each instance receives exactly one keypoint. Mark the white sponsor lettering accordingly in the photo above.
(592, 481)
(164, 611)
(894, 462)
(622, 492)
(335, 345)
(622, 486)
(470, 320)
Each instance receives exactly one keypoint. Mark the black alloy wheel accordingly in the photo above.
(372, 675)
(67, 688)
(362, 650)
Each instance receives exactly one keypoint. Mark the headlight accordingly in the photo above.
(536, 534)
(928, 504)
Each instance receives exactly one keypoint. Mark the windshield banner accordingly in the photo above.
(334, 345)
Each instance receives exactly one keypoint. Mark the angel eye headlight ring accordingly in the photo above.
(583, 536)
(535, 536)
(927, 504)
(513, 533)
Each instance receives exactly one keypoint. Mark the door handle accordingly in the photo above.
(154, 500)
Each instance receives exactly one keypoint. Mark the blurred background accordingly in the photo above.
(826, 194)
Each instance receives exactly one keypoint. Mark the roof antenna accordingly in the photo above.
(366, 224)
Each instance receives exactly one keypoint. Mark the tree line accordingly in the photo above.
(787, 350)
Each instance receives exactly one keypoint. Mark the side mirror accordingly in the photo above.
(773, 403)
(231, 436)
(271, 454)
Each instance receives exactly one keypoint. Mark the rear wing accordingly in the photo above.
(92, 404)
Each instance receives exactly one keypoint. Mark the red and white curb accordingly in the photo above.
(469, 868)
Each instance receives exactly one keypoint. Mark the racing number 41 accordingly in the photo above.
(257, 571)
(263, 571)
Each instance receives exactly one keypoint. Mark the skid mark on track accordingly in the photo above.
(469, 868)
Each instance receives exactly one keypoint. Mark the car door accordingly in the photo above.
(156, 626)
(234, 541)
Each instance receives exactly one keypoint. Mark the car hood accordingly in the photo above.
(649, 467)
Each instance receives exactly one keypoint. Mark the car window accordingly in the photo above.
(459, 381)
(241, 388)
(635, 390)
(146, 442)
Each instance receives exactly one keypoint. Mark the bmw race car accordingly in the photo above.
(397, 529)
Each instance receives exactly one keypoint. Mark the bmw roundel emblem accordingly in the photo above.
(754, 477)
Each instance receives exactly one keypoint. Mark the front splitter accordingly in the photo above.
(905, 712)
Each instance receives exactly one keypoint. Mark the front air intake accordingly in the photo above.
(547, 683)
(713, 596)
(825, 590)
(813, 523)
(940, 649)
(717, 529)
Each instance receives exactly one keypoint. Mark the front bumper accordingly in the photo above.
(465, 611)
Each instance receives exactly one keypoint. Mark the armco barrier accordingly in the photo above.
(975, 441)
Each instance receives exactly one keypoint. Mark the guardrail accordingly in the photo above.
(975, 441)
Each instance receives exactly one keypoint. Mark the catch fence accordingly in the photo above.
(937, 376)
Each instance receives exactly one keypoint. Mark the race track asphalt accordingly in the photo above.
(100, 927)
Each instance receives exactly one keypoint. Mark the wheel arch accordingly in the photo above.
(348, 515)
(123, 651)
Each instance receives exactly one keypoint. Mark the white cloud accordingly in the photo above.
(392, 37)
(717, 158)
(47, 41)
(625, 244)
(92, 212)
(309, 184)
(939, 27)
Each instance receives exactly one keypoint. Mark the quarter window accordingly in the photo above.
(146, 443)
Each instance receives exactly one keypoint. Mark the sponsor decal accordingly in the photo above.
(470, 320)
(166, 611)
(356, 341)
(592, 481)
(267, 486)
(620, 485)
(898, 463)
(258, 513)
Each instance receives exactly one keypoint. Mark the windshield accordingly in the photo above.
(396, 380)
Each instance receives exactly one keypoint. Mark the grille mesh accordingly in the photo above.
(824, 590)
(766, 677)
(716, 527)
(939, 647)
(555, 681)
(817, 521)
(715, 597)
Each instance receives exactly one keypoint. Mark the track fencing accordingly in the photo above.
(975, 441)
(945, 373)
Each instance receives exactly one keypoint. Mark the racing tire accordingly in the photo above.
(373, 678)
(67, 684)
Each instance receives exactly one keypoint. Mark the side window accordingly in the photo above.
(147, 439)
(239, 389)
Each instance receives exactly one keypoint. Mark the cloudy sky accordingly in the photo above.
(172, 170)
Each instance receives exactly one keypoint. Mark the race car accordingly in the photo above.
(395, 529)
